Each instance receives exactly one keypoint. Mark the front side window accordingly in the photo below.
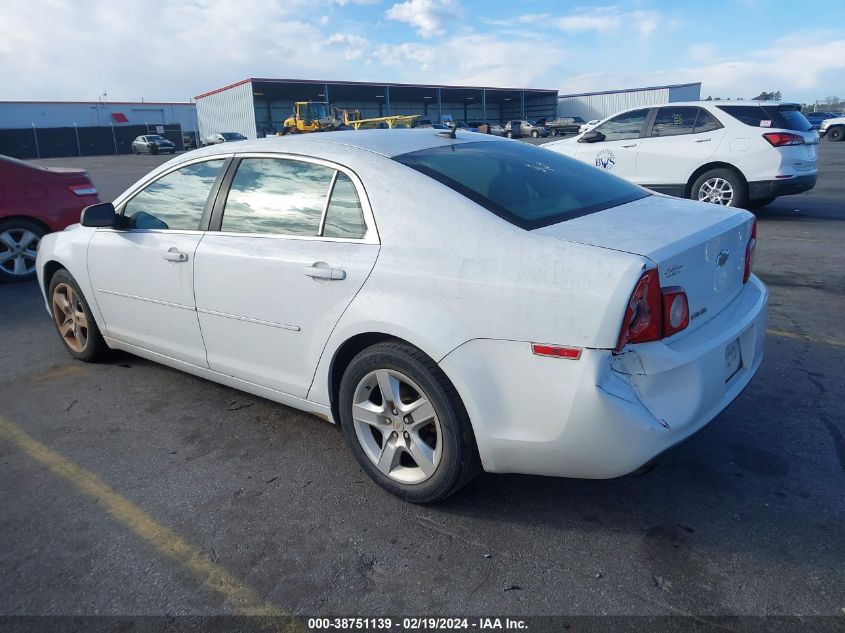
(277, 196)
(625, 126)
(174, 201)
(674, 121)
(528, 186)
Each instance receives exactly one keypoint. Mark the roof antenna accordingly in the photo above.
(452, 133)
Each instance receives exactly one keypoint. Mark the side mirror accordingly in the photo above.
(97, 215)
(593, 136)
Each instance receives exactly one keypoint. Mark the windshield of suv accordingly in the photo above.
(526, 185)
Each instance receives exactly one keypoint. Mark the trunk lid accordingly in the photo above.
(699, 247)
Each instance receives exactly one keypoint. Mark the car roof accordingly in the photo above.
(387, 143)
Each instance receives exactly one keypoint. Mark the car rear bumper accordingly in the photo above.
(604, 415)
(783, 187)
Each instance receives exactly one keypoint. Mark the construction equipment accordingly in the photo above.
(319, 116)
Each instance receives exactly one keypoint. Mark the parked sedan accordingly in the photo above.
(153, 144)
(223, 137)
(35, 200)
(453, 303)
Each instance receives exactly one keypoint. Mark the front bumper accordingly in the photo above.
(604, 415)
(783, 187)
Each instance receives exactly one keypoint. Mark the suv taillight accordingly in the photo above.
(749, 251)
(653, 312)
(779, 139)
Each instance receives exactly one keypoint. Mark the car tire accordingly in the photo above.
(154, 150)
(720, 186)
(509, 134)
(836, 134)
(420, 460)
(535, 134)
(75, 325)
(172, 152)
(19, 239)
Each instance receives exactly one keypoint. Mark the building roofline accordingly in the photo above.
(110, 103)
(367, 83)
(608, 92)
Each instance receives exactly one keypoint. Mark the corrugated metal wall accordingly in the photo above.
(230, 110)
(599, 106)
(50, 114)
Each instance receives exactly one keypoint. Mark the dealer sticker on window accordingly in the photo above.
(733, 360)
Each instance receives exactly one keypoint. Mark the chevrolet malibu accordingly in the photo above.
(455, 303)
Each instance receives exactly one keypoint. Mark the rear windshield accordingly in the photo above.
(526, 185)
(786, 117)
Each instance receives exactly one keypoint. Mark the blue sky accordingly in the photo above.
(175, 49)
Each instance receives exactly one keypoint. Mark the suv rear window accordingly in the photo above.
(786, 117)
(528, 186)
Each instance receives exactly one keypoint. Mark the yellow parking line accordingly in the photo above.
(804, 337)
(244, 599)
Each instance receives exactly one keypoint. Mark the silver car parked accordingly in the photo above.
(153, 144)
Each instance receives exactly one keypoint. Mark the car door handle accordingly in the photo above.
(702, 140)
(631, 145)
(324, 272)
(175, 255)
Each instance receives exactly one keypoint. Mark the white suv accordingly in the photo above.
(734, 153)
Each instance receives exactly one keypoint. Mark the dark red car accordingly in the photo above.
(35, 200)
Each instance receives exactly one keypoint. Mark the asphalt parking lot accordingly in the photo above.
(131, 488)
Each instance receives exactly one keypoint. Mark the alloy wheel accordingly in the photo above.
(716, 191)
(18, 248)
(70, 317)
(396, 426)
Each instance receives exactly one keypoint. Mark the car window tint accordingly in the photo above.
(754, 116)
(526, 185)
(344, 217)
(706, 122)
(273, 195)
(174, 201)
(674, 121)
(624, 126)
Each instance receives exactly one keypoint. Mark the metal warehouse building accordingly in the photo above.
(598, 105)
(43, 129)
(258, 106)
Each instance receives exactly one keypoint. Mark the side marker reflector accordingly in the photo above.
(572, 353)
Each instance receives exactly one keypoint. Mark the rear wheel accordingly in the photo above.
(19, 241)
(836, 133)
(509, 134)
(720, 186)
(534, 134)
(74, 322)
(405, 423)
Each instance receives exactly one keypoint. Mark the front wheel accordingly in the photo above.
(406, 424)
(19, 241)
(509, 134)
(720, 186)
(74, 322)
(836, 133)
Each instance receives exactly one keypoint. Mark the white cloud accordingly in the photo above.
(611, 20)
(702, 52)
(429, 17)
(355, 45)
(399, 54)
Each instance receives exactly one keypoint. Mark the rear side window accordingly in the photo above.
(344, 217)
(528, 186)
(784, 117)
(674, 121)
(277, 196)
(174, 201)
(705, 122)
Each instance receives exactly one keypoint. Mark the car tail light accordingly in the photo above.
(779, 139)
(749, 251)
(675, 310)
(643, 316)
(83, 190)
(572, 353)
(653, 312)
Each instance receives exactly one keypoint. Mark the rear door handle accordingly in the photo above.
(702, 140)
(631, 145)
(324, 272)
(175, 255)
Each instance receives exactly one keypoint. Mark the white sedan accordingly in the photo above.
(454, 303)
